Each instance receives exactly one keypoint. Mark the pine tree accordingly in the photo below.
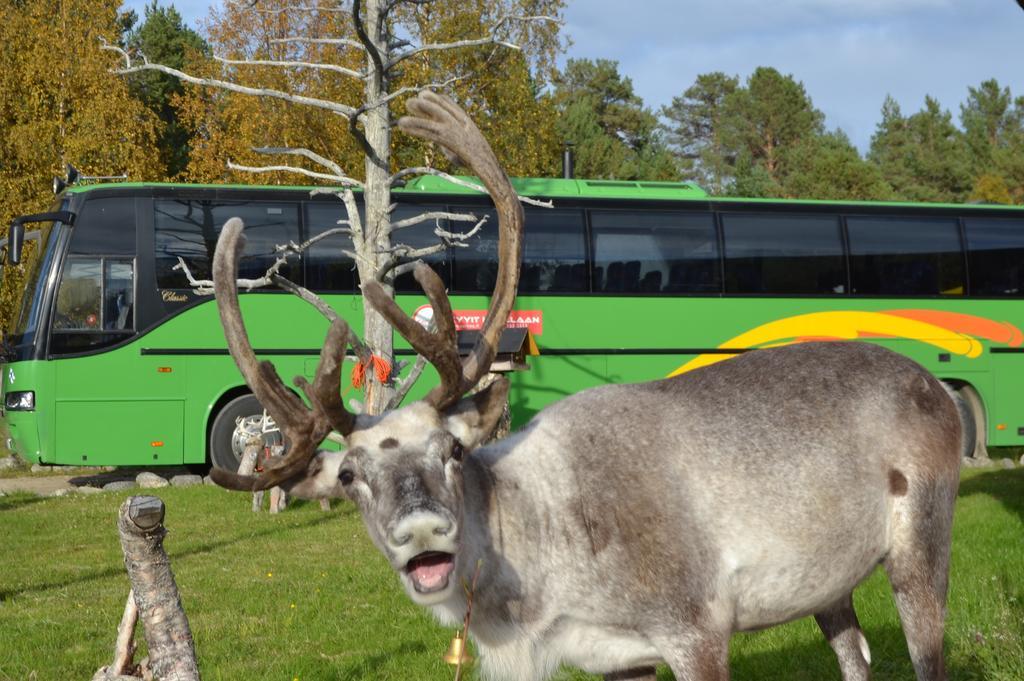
(163, 37)
(614, 135)
(993, 123)
(695, 130)
(768, 117)
(923, 156)
(828, 166)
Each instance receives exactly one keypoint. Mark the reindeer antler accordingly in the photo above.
(436, 118)
(305, 428)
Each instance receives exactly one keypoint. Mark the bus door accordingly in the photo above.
(112, 405)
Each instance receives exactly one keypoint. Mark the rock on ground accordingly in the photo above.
(186, 480)
(148, 480)
(9, 462)
(118, 485)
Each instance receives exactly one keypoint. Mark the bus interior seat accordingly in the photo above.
(529, 279)
(486, 276)
(616, 276)
(563, 278)
(632, 276)
(579, 277)
(651, 282)
(676, 278)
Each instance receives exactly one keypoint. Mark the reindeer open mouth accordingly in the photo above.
(429, 571)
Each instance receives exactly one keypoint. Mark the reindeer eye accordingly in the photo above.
(458, 450)
(346, 477)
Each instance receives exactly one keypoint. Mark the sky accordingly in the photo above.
(849, 54)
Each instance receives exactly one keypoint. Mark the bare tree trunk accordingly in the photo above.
(377, 197)
(164, 624)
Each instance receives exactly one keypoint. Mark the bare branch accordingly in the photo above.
(299, 8)
(298, 248)
(491, 39)
(340, 179)
(341, 42)
(433, 215)
(204, 287)
(406, 251)
(406, 385)
(124, 648)
(360, 136)
(416, 88)
(454, 237)
(400, 269)
(340, 109)
(311, 155)
(371, 49)
(424, 170)
(288, 64)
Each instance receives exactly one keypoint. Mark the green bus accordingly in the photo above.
(113, 359)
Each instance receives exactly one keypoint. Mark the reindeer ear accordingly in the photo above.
(472, 419)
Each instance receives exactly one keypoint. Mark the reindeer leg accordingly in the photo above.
(918, 568)
(638, 674)
(841, 628)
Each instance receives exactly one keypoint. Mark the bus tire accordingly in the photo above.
(224, 449)
(975, 423)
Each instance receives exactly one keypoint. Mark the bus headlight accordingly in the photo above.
(21, 400)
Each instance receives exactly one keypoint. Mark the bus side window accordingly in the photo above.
(328, 269)
(554, 253)
(995, 256)
(783, 254)
(905, 256)
(188, 229)
(654, 251)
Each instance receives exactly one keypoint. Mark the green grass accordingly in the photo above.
(304, 595)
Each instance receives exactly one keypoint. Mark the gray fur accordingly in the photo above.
(630, 525)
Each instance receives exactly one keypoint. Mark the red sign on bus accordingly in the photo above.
(473, 320)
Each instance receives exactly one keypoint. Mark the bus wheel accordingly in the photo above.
(227, 435)
(972, 415)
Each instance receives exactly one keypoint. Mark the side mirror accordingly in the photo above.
(15, 241)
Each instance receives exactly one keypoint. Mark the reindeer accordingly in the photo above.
(630, 525)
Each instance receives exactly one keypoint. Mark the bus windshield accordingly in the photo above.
(39, 261)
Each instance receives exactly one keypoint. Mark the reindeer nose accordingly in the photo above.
(421, 527)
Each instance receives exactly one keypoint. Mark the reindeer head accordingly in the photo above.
(403, 468)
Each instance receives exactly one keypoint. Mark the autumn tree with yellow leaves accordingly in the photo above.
(499, 87)
(60, 102)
